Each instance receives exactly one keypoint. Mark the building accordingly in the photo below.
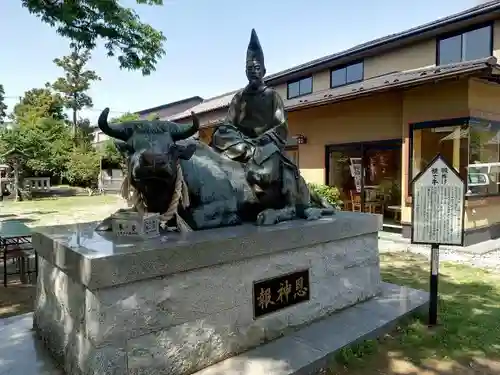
(164, 110)
(170, 109)
(383, 110)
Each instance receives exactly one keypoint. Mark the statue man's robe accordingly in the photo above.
(255, 126)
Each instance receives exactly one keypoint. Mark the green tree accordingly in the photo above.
(39, 103)
(3, 106)
(84, 131)
(41, 132)
(82, 167)
(128, 116)
(76, 82)
(109, 151)
(138, 45)
(46, 144)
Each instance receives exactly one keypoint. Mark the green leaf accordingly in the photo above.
(138, 46)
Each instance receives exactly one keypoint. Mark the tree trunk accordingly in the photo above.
(74, 123)
(17, 189)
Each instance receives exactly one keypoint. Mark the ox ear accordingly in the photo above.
(124, 148)
(185, 152)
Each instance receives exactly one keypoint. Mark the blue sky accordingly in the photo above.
(206, 44)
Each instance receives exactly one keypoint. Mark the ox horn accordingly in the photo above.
(187, 130)
(114, 131)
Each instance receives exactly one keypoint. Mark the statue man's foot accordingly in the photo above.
(313, 213)
(271, 216)
(267, 217)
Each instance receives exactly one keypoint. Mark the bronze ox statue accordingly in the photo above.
(218, 189)
(244, 174)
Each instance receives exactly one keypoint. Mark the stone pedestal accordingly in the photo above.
(176, 304)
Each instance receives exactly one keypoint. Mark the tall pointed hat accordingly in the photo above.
(254, 50)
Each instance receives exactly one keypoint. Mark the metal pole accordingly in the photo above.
(434, 278)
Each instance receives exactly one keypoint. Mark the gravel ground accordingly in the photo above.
(490, 261)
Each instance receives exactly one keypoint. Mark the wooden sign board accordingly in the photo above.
(438, 205)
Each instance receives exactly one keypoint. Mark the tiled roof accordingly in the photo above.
(211, 104)
(168, 105)
(390, 81)
(484, 10)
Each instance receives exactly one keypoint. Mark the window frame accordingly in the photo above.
(345, 66)
(459, 121)
(461, 33)
(298, 81)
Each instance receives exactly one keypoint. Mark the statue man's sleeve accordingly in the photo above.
(227, 135)
(234, 110)
(279, 132)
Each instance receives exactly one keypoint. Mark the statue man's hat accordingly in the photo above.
(254, 50)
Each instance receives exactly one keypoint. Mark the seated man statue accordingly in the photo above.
(255, 130)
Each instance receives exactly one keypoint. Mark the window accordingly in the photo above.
(471, 146)
(347, 74)
(301, 87)
(470, 45)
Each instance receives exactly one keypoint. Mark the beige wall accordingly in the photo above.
(419, 55)
(206, 134)
(365, 119)
(416, 56)
(378, 117)
(496, 39)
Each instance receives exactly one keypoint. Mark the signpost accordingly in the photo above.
(438, 206)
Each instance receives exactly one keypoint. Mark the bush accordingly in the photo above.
(330, 193)
(82, 168)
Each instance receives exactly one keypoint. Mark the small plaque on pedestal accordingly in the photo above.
(133, 224)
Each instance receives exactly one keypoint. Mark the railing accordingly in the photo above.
(37, 183)
(112, 185)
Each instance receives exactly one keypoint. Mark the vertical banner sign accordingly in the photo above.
(438, 206)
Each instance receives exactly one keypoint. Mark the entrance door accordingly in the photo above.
(368, 176)
(345, 173)
(382, 183)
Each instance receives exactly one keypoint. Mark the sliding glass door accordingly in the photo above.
(368, 176)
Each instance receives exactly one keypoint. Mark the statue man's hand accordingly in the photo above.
(263, 140)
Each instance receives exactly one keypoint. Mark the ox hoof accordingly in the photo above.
(313, 213)
(267, 217)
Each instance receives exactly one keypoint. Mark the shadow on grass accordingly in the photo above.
(467, 340)
(21, 219)
(40, 212)
(16, 298)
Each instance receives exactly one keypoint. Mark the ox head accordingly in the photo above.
(152, 154)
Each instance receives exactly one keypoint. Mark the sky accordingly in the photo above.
(206, 44)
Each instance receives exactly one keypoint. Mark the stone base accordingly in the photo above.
(180, 322)
(305, 351)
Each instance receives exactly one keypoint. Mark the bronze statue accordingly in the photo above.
(242, 176)
(256, 127)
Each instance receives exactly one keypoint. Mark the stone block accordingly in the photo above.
(179, 317)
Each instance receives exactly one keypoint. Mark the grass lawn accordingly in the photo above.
(61, 210)
(17, 298)
(467, 340)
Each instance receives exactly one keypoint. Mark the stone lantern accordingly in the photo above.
(14, 158)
